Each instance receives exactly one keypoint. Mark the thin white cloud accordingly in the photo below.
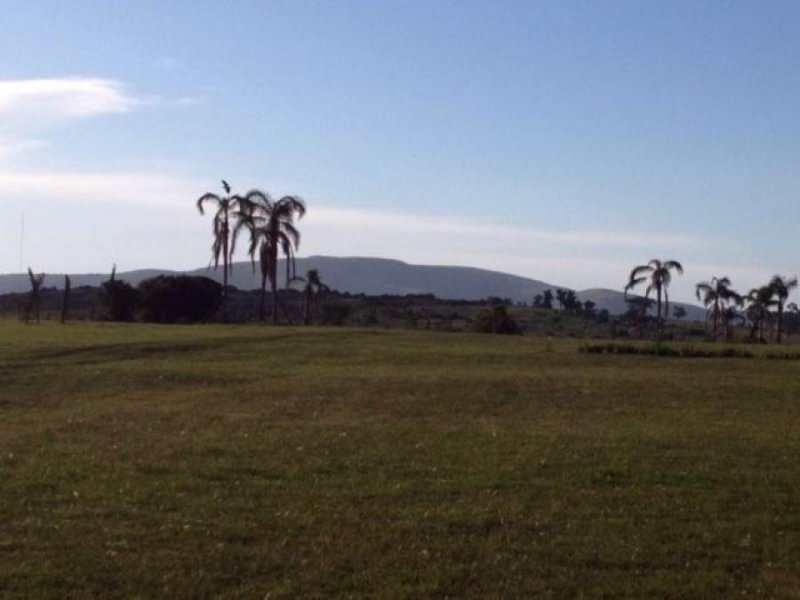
(384, 221)
(166, 192)
(31, 108)
(160, 101)
(64, 98)
(138, 189)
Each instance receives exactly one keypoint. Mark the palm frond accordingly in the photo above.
(639, 270)
(674, 264)
(289, 205)
(633, 283)
(209, 197)
(704, 292)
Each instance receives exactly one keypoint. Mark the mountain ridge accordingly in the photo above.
(371, 276)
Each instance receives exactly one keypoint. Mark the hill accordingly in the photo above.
(375, 276)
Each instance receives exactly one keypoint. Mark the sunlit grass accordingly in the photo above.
(240, 461)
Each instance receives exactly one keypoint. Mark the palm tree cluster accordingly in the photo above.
(721, 302)
(270, 224)
(762, 306)
(762, 300)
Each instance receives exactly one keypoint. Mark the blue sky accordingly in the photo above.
(565, 141)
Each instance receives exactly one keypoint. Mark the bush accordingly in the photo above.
(181, 299)
(495, 319)
(117, 300)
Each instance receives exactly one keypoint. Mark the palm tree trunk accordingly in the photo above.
(658, 313)
(225, 267)
(658, 305)
(307, 308)
(780, 322)
(716, 319)
(274, 286)
(263, 300)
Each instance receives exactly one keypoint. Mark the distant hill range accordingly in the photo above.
(373, 276)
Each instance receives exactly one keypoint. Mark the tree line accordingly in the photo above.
(271, 228)
(567, 301)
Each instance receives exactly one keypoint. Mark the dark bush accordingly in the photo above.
(117, 300)
(180, 299)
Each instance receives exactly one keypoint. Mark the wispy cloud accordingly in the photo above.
(64, 98)
(125, 188)
(33, 108)
(160, 101)
(384, 221)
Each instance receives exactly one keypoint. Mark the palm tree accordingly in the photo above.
(33, 298)
(312, 290)
(782, 287)
(760, 300)
(272, 231)
(657, 274)
(227, 207)
(715, 295)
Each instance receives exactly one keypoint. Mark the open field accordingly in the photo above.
(200, 461)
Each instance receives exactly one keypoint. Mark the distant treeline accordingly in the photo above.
(192, 299)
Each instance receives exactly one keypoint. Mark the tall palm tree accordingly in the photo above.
(715, 296)
(658, 277)
(272, 231)
(228, 207)
(760, 300)
(782, 287)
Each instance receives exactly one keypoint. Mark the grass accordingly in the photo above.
(251, 462)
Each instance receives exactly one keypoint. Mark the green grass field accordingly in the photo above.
(253, 462)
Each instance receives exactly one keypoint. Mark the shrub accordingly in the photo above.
(117, 300)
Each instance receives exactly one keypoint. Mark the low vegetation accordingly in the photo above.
(250, 462)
